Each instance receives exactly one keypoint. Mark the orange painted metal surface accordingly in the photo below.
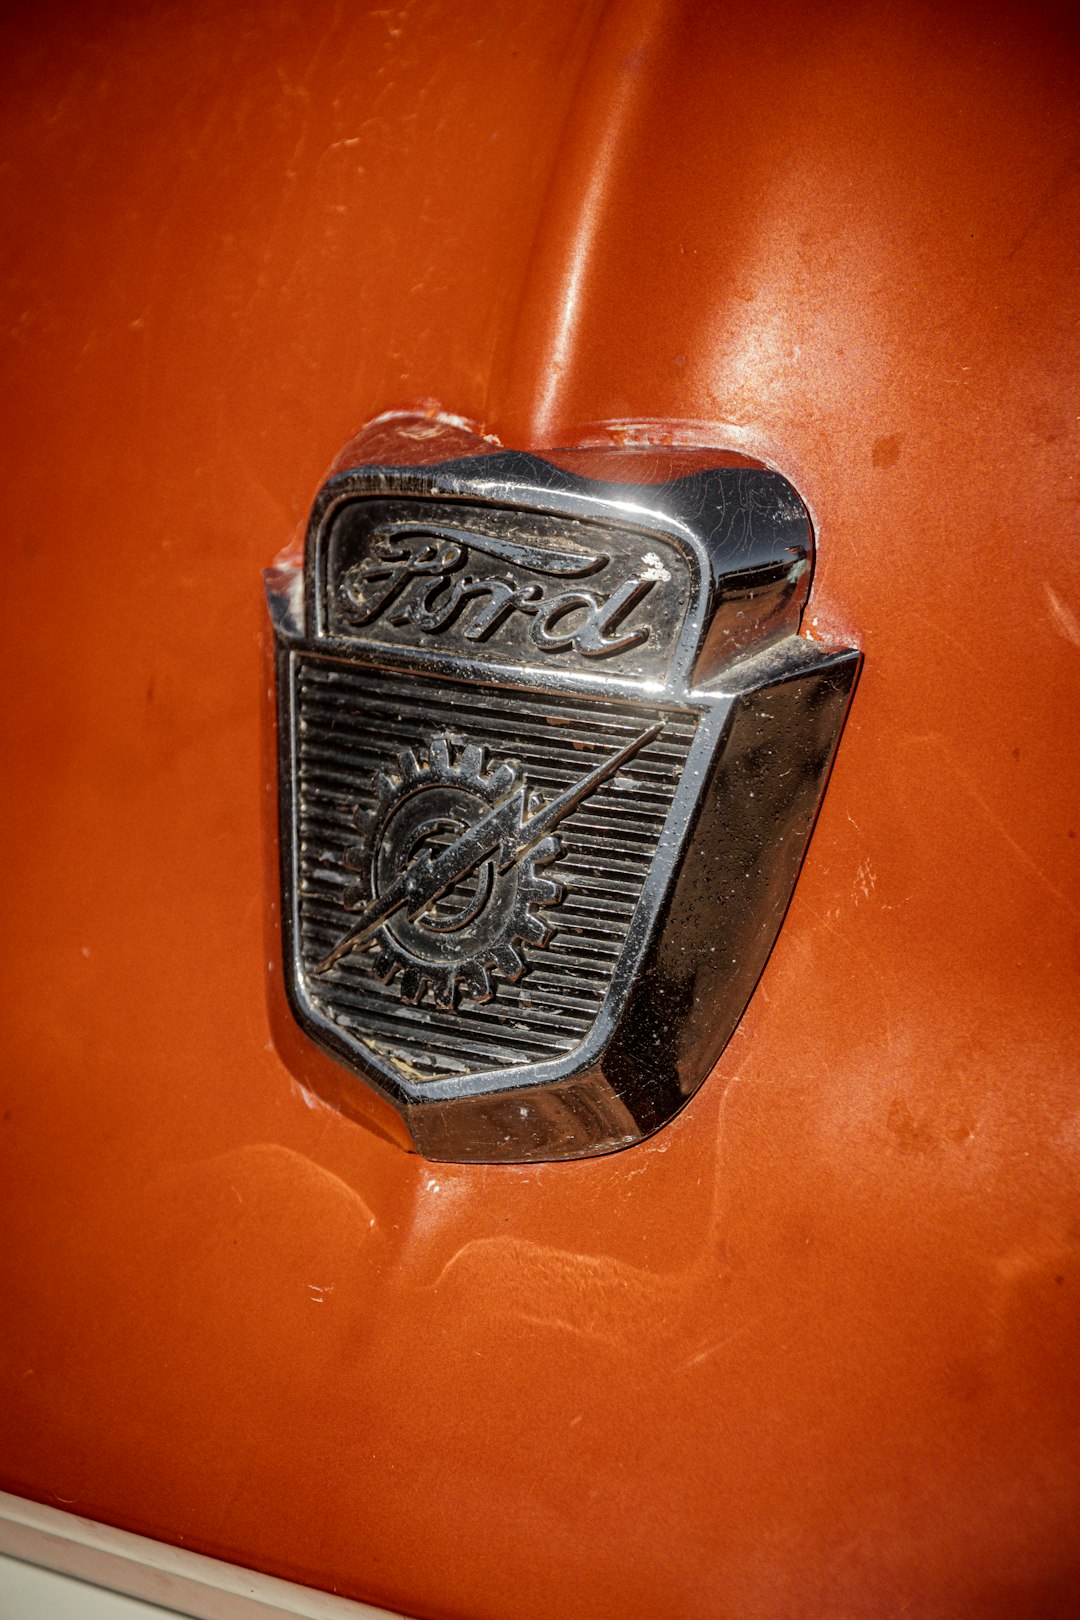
(811, 1350)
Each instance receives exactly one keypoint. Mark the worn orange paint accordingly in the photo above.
(812, 1350)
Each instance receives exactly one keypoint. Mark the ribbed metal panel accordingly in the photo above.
(353, 724)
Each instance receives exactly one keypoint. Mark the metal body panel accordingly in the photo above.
(811, 1350)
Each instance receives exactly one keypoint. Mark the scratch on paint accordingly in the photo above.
(714, 1349)
(996, 822)
(1064, 618)
(865, 880)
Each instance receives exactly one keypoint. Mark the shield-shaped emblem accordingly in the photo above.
(551, 749)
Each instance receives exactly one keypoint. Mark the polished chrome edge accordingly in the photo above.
(768, 705)
(177, 1581)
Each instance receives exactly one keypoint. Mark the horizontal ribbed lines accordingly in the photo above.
(500, 1025)
(355, 724)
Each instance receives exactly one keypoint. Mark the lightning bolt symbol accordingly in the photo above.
(506, 830)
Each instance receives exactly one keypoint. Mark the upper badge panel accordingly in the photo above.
(513, 587)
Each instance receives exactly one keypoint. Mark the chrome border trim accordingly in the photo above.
(769, 720)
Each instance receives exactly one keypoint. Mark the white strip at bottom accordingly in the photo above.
(58, 1565)
(28, 1592)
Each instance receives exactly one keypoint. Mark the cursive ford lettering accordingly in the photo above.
(416, 582)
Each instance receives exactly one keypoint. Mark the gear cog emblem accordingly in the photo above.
(473, 928)
(450, 864)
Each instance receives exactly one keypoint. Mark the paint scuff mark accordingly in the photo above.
(865, 880)
(1065, 620)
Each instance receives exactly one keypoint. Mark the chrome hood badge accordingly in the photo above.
(551, 750)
